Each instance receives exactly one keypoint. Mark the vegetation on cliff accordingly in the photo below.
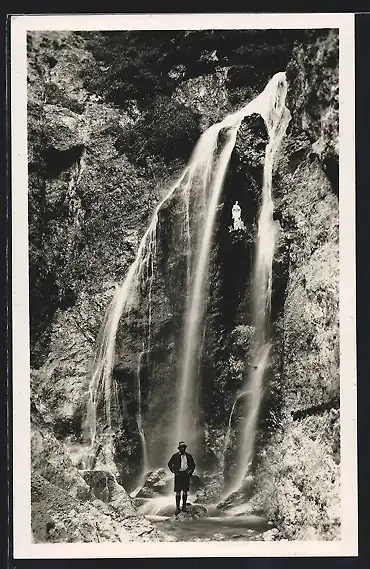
(140, 65)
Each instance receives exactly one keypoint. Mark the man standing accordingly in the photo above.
(182, 465)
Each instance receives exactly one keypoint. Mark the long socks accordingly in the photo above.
(178, 499)
(184, 498)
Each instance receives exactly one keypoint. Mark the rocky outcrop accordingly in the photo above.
(195, 511)
(299, 478)
(238, 497)
(299, 467)
(87, 206)
(157, 482)
(201, 92)
(105, 487)
(73, 505)
(57, 517)
(52, 462)
(310, 229)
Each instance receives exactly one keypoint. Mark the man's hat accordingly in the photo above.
(182, 444)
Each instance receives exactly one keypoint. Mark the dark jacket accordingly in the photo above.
(174, 463)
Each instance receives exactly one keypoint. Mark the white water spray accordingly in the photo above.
(187, 409)
(228, 432)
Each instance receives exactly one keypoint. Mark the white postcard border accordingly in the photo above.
(23, 548)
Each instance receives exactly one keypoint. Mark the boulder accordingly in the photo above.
(209, 488)
(58, 517)
(139, 501)
(239, 496)
(196, 482)
(157, 482)
(50, 459)
(100, 481)
(146, 493)
(195, 512)
(271, 535)
(121, 502)
(63, 128)
(106, 488)
(135, 492)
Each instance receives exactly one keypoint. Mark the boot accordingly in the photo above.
(178, 498)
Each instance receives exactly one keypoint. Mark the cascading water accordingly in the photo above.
(150, 261)
(228, 432)
(101, 384)
(276, 119)
(199, 186)
(139, 418)
(270, 105)
(102, 387)
(187, 409)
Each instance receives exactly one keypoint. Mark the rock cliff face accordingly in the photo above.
(96, 171)
(299, 466)
(87, 208)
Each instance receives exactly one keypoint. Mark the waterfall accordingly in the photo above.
(102, 386)
(186, 411)
(200, 186)
(276, 119)
(150, 261)
(270, 105)
(229, 427)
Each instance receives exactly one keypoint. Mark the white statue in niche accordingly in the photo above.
(236, 213)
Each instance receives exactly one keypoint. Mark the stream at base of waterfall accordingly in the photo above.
(205, 521)
(199, 188)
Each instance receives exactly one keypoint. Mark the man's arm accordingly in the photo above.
(191, 465)
(170, 464)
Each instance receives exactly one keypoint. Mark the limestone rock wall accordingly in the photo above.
(298, 472)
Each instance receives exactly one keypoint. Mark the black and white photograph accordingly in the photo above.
(183, 285)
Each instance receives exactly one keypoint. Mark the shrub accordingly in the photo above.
(169, 131)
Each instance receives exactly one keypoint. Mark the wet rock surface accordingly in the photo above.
(300, 459)
(106, 488)
(159, 481)
(239, 496)
(51, 460)
(194, 512)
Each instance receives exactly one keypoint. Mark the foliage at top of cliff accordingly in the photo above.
(140, 65)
